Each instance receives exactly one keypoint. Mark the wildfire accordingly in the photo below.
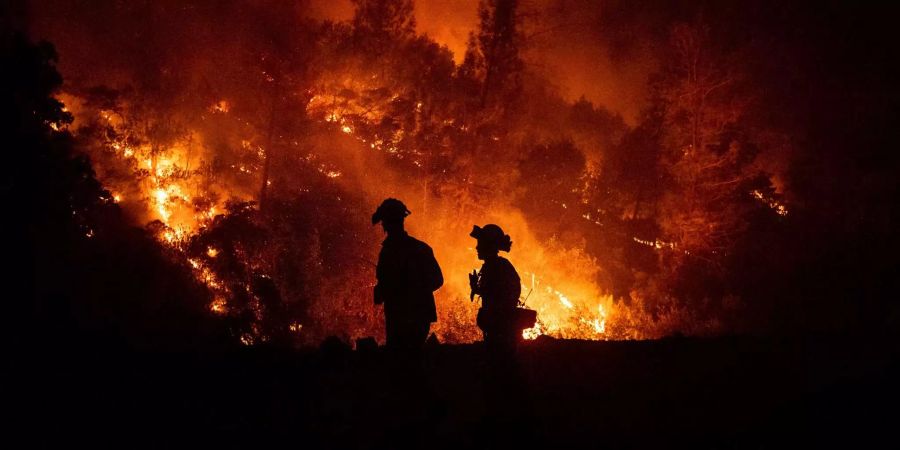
(222, 106)
(568, 302)
(657, 244)
(219, 306)
(598, 323)
(776, 206)
(173, 236)
(533, 332)
(562, 298)
(185, 182)
(563, 315)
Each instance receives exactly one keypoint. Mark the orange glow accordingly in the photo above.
(222, 106)
(533, 332)
(219, 306)
(776, 206)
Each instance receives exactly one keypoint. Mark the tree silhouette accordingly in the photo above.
(79, 270)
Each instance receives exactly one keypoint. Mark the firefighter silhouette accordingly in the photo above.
(407, 275)
(498, 285)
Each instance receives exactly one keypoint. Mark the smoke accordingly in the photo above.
(575, 44)
(581, 46)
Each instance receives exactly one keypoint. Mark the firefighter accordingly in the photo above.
(407, 276)
(498, 285)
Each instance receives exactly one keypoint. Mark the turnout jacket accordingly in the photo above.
(499, 288)
(407, 275)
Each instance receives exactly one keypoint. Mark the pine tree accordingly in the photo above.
(378, 23)
(493, 54)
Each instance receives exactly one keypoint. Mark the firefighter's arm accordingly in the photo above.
(435, 277)
(378, 290)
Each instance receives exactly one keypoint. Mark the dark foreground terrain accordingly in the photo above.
(698, 393)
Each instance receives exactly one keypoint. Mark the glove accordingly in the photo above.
(473, 285)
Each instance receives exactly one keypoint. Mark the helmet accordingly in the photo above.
(493, 235)
(390, 209)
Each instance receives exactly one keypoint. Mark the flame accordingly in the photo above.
(533, 332)
(222, 106)
(562, 298)
(657, 244)
(775, 205)
(219, 306)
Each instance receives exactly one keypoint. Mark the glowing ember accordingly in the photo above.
(222, 106)
(533, 332)
(218, 306)
(657, 244)
(777, 206)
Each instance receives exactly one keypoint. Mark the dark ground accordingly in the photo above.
(682, 392)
